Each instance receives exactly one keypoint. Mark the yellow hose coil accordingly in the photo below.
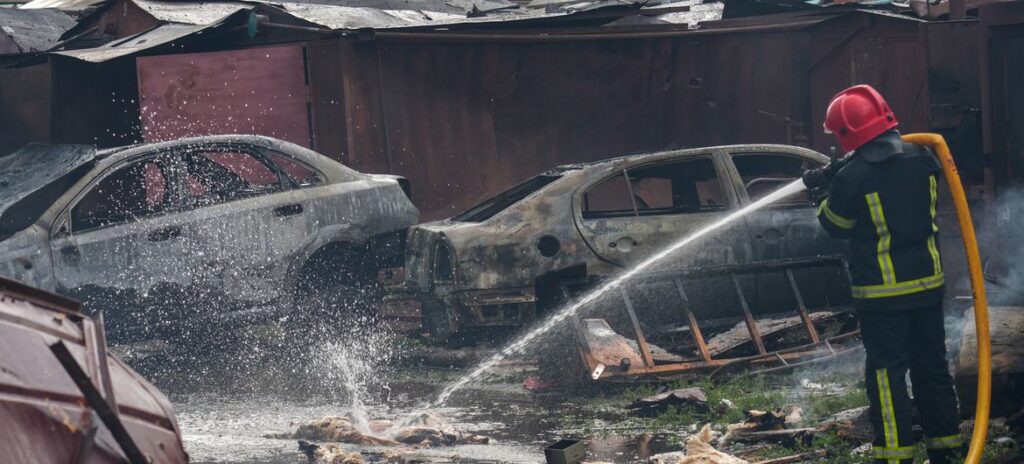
(963, 213)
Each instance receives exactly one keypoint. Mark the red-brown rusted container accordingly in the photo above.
(44, 417)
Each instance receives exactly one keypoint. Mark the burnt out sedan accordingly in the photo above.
(180, 234)
(504, 261)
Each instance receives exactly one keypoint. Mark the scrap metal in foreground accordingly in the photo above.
(768, 340)
(76, 404)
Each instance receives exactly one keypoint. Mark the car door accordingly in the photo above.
(119, 241)
(633, 213)
(636, 212)
(247, 219)
(786, 229)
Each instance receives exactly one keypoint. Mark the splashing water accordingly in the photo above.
(351, 368)
(592, 296)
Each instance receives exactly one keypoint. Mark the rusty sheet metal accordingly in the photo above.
(67, 5)
(1003, 96)
(792, 339)
(160, 35)
(31, 30)
(44, 414)
(512, 110)
(346, 17)
(196, 13)
(513, 104)
(251, 91)
(26, 101)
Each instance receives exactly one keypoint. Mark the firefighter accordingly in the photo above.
(881, 197)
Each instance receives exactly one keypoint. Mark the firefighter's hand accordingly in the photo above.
(820, 178)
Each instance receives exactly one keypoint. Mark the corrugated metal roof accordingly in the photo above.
(459, 7)
(159, 35)
(198, 13)
(347, 17)
(70, 5)
(34, 30)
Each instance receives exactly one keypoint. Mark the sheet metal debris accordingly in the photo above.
(161, 35)
(27, 31)
(45, 416)
(195, 13)
(768, 340)
(659, 403)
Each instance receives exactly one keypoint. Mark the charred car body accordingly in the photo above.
(224, 227)
(505, 260)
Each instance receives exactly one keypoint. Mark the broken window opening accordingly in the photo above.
(22, 214)
(131, 192)
(504, 200)
(218, 176)
(676, 187)
(444, 268)
(298, 172)
(763, 173)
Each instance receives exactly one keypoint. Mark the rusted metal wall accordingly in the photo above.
(886, 53)
(94, 103)
(954, 85)
(1003, 95)
(24, 106)
(465, 120)
(250, 91)
(327, 99)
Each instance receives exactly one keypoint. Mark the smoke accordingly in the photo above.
(999, 238)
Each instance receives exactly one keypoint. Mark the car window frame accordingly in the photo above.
(740, 185)
(293, 183)
(725, 178)
(64, 225)
(188, 200)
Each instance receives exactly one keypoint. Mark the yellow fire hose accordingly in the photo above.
(963, 213)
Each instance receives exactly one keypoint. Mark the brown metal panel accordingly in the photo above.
(327, 99)
(95, 103)
(1006, 71)
(887, 53)
(25, 100)
(364, 119)
(45, 418)
(733, 89)
(252, 91)
(466, 121)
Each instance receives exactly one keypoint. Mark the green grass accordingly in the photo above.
(819, 406)
(765, 393)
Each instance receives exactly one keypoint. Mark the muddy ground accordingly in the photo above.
(241, 400)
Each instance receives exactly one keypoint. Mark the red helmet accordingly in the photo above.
(857, 115)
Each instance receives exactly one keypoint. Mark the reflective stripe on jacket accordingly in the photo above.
(884, 201)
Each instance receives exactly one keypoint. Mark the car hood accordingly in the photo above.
(35, 176)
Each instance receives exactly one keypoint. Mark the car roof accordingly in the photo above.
(677, 152)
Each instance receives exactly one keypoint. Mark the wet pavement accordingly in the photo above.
(242, 404)
(223, 427)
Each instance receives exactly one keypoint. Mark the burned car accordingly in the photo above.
(233, 228)
(505, 260)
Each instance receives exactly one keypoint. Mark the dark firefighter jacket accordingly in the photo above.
(883, 201)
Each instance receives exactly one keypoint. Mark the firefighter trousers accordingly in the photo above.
(914, 340)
